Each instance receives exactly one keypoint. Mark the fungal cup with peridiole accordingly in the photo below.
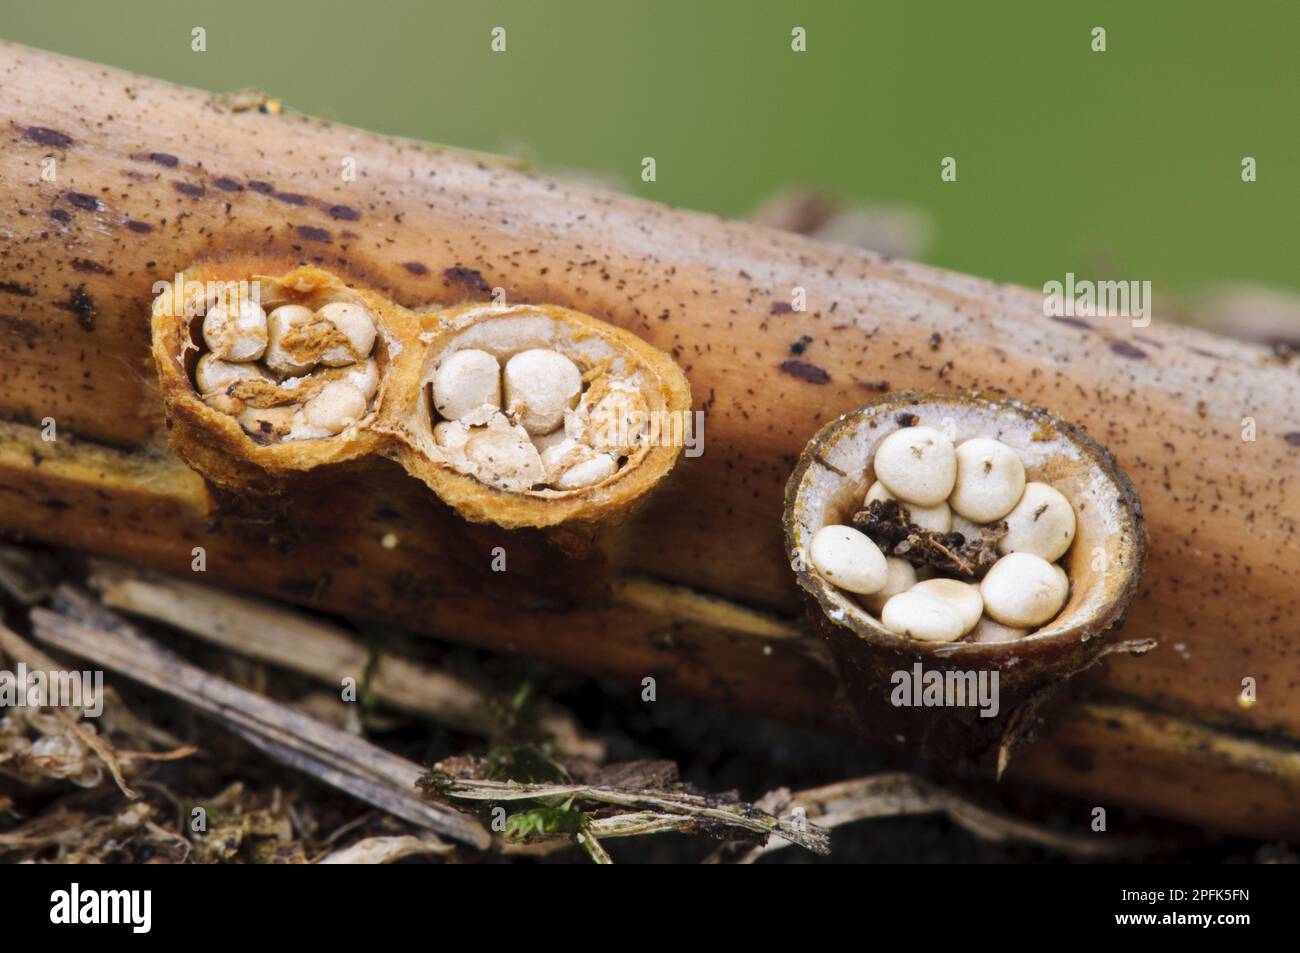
(295, 373)
(527, 415)
(930, 482)
(532, 415)
(961, 531)
(269, 374)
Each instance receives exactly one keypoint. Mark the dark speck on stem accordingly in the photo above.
(469, 277)
(47, 137)
(313, 234)
(82, 305)
(804, 371)
(83, 201)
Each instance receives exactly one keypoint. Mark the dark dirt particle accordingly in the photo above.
(884, 522)
(907, 420)
(47, 137)
(60, 215)
(83, 201)
(82, 305)
(140, 227)
(14, 288)
(804, 371)
(87, 266)
(416, 268)
(469, 277)
(935, 340)
(878, 387)
(801, 345)
(782, 307)
(313, 234)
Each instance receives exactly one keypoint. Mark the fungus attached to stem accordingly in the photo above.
(984, 596)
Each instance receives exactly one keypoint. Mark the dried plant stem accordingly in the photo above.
(339, 759)
(593, 847)
(697, 810)
(640, 823)
(320, 650)
(116, 490)
(897, 794)
(385, 850)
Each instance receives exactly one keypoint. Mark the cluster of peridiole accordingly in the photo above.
(295, 374)
(533, 419)
(964, 488)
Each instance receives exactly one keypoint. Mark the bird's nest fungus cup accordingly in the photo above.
(974, 548)
(525, 416)
(266, 377)
(538, 415)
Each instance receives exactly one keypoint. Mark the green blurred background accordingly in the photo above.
(1123, 164)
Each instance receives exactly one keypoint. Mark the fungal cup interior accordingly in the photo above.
(1099, 563)
(270, 410)
(505, 331)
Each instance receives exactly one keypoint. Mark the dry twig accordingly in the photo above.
(320, 650)
(385, 850)
(339, 759)
(659, 810)
(897, 794)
